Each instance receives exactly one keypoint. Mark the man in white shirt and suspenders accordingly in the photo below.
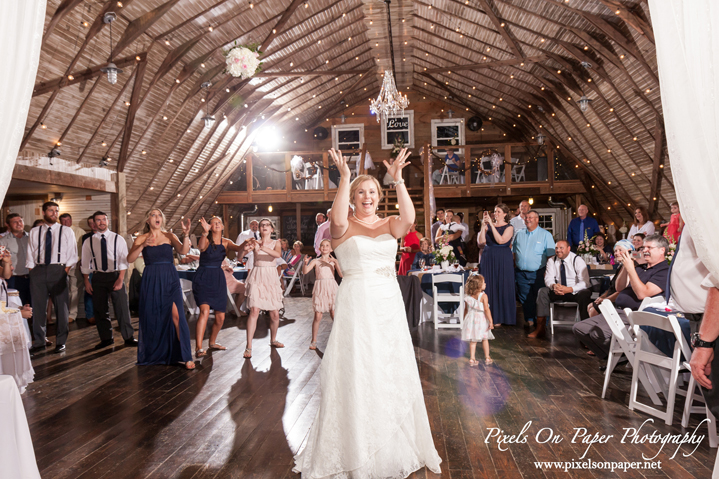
(104, 255)
(51, 252)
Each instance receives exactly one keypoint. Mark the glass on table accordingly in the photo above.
(421, 263)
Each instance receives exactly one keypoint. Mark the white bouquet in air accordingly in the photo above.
(243, 61)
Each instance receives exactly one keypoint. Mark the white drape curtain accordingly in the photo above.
(687, 44)
(21, 26)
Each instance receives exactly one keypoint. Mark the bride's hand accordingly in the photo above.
(395, 168)
(341, 163)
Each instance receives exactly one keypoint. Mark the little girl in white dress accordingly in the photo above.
(477, 324)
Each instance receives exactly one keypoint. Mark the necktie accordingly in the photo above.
(48, 246)
(581, 231)
(256, 235)
(103, 252)
(667, 288)
(562, 274)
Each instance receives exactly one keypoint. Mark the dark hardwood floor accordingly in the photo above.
(94, 414)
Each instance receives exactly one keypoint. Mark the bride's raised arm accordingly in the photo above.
(341, 205)
(400, 225)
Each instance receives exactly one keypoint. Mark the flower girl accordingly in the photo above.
(477, 324)
(325, 290)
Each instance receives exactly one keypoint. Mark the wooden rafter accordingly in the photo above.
(63, 9)
(280, 24)
(493, 64)
(491, 11)
(79, 110)
(139, 25)
(130, 118)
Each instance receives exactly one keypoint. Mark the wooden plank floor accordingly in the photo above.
(94, 414)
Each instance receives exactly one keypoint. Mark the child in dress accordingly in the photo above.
(325, 290)
(477, 324)
(675, 226)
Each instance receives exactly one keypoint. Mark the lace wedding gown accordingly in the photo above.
(372, 421)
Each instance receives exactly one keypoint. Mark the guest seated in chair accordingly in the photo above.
(425, 253)
(566, 279)
(645, 281)
(452, 161)
(619, 281)
(605, 251)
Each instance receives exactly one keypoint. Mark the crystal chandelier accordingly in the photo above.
(389, 102)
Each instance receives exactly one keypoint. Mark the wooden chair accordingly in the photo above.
(457, 298)
(622, 344)
(563, 304)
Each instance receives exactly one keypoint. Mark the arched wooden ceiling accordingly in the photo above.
(518, 62)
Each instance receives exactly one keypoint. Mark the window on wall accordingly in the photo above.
(448, 132)
(398, 127)
(348, 137)
(546, 221)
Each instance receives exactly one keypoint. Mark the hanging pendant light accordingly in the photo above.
(540, 138)
(111, 69)
(208, 119)
(584, 103)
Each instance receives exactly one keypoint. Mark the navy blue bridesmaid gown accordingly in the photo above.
(159, 290)
(497, 267)
(209, 284)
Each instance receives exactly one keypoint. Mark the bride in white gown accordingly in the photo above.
(372, 421)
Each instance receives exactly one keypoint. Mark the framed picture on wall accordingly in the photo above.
(401, 126)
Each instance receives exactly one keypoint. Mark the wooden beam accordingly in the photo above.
(63, 9)
(280, 24)
(139, 25)
(52, 177)
(656, 167)
(480, 66)
(77, 113)
(130, 118)
(84, 75)
(490, 9)
(312, 73)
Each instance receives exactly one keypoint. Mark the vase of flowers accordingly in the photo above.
(444, 255)
(670, 252)
(243, 61)
(586, 249)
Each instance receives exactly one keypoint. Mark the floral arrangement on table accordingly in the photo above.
(243, 60)
(444, 254)
(670, 252)
(396, 146)
(586, 247)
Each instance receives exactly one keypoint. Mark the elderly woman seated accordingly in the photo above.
(294, 258)
(425, 254)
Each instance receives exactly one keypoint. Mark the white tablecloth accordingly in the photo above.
(14, 302)
(14, 353)
(17, 457)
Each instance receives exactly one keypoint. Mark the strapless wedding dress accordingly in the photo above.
(372, 421)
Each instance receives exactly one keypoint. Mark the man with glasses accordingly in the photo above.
(645, 281)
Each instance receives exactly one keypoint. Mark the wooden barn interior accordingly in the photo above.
(565, 92)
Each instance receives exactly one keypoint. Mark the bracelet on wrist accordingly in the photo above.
(398, 182)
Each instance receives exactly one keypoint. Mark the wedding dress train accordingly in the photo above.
(372, 421)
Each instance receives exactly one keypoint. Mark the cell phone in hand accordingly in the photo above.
(636, 255)
(3, 249)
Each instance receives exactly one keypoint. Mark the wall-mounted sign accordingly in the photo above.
(396, 128)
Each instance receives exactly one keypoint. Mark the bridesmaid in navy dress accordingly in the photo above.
(497, 265)
(209, 284)
(164, 335)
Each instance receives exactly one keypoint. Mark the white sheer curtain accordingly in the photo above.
(687, 43)
(21, 26)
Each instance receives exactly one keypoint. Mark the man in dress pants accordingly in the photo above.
(51, 252)
(104, 255)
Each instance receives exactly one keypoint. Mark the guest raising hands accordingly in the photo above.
(209, 284)
(164, 336)
(263, 290)
(325, 289)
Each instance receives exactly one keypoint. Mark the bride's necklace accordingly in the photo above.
(376, 219)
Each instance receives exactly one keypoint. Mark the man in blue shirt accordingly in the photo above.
(579, 226)
(532, 246)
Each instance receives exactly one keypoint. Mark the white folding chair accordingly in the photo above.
(188, 298)
(646, 302)
(622, 343)
(290, 280)
(232, 303)
(646, 354)
(518, 173)
(457, 298)
(563, 304)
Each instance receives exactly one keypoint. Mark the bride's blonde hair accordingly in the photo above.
(355, 185)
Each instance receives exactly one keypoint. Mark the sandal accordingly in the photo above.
(313, 345)
(200, 353)
(189, 365)
(473, 362)
(488, 360)
(247, 350)
(218, 347)
(276, 344)
(591, 353)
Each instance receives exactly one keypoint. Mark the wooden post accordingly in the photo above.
(325, 175)
(508, 167)
(121, 213)
(425, 194)
(550, 166)
(288, 176)
(363, 152)
(249, 179)
(226, 215)
(467, 170)
(298, 213)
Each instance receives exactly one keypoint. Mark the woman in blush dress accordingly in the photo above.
(497, 265)
(372, 421)
(410, 247)
(209, 285)
(263, 291)
(164, 336)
